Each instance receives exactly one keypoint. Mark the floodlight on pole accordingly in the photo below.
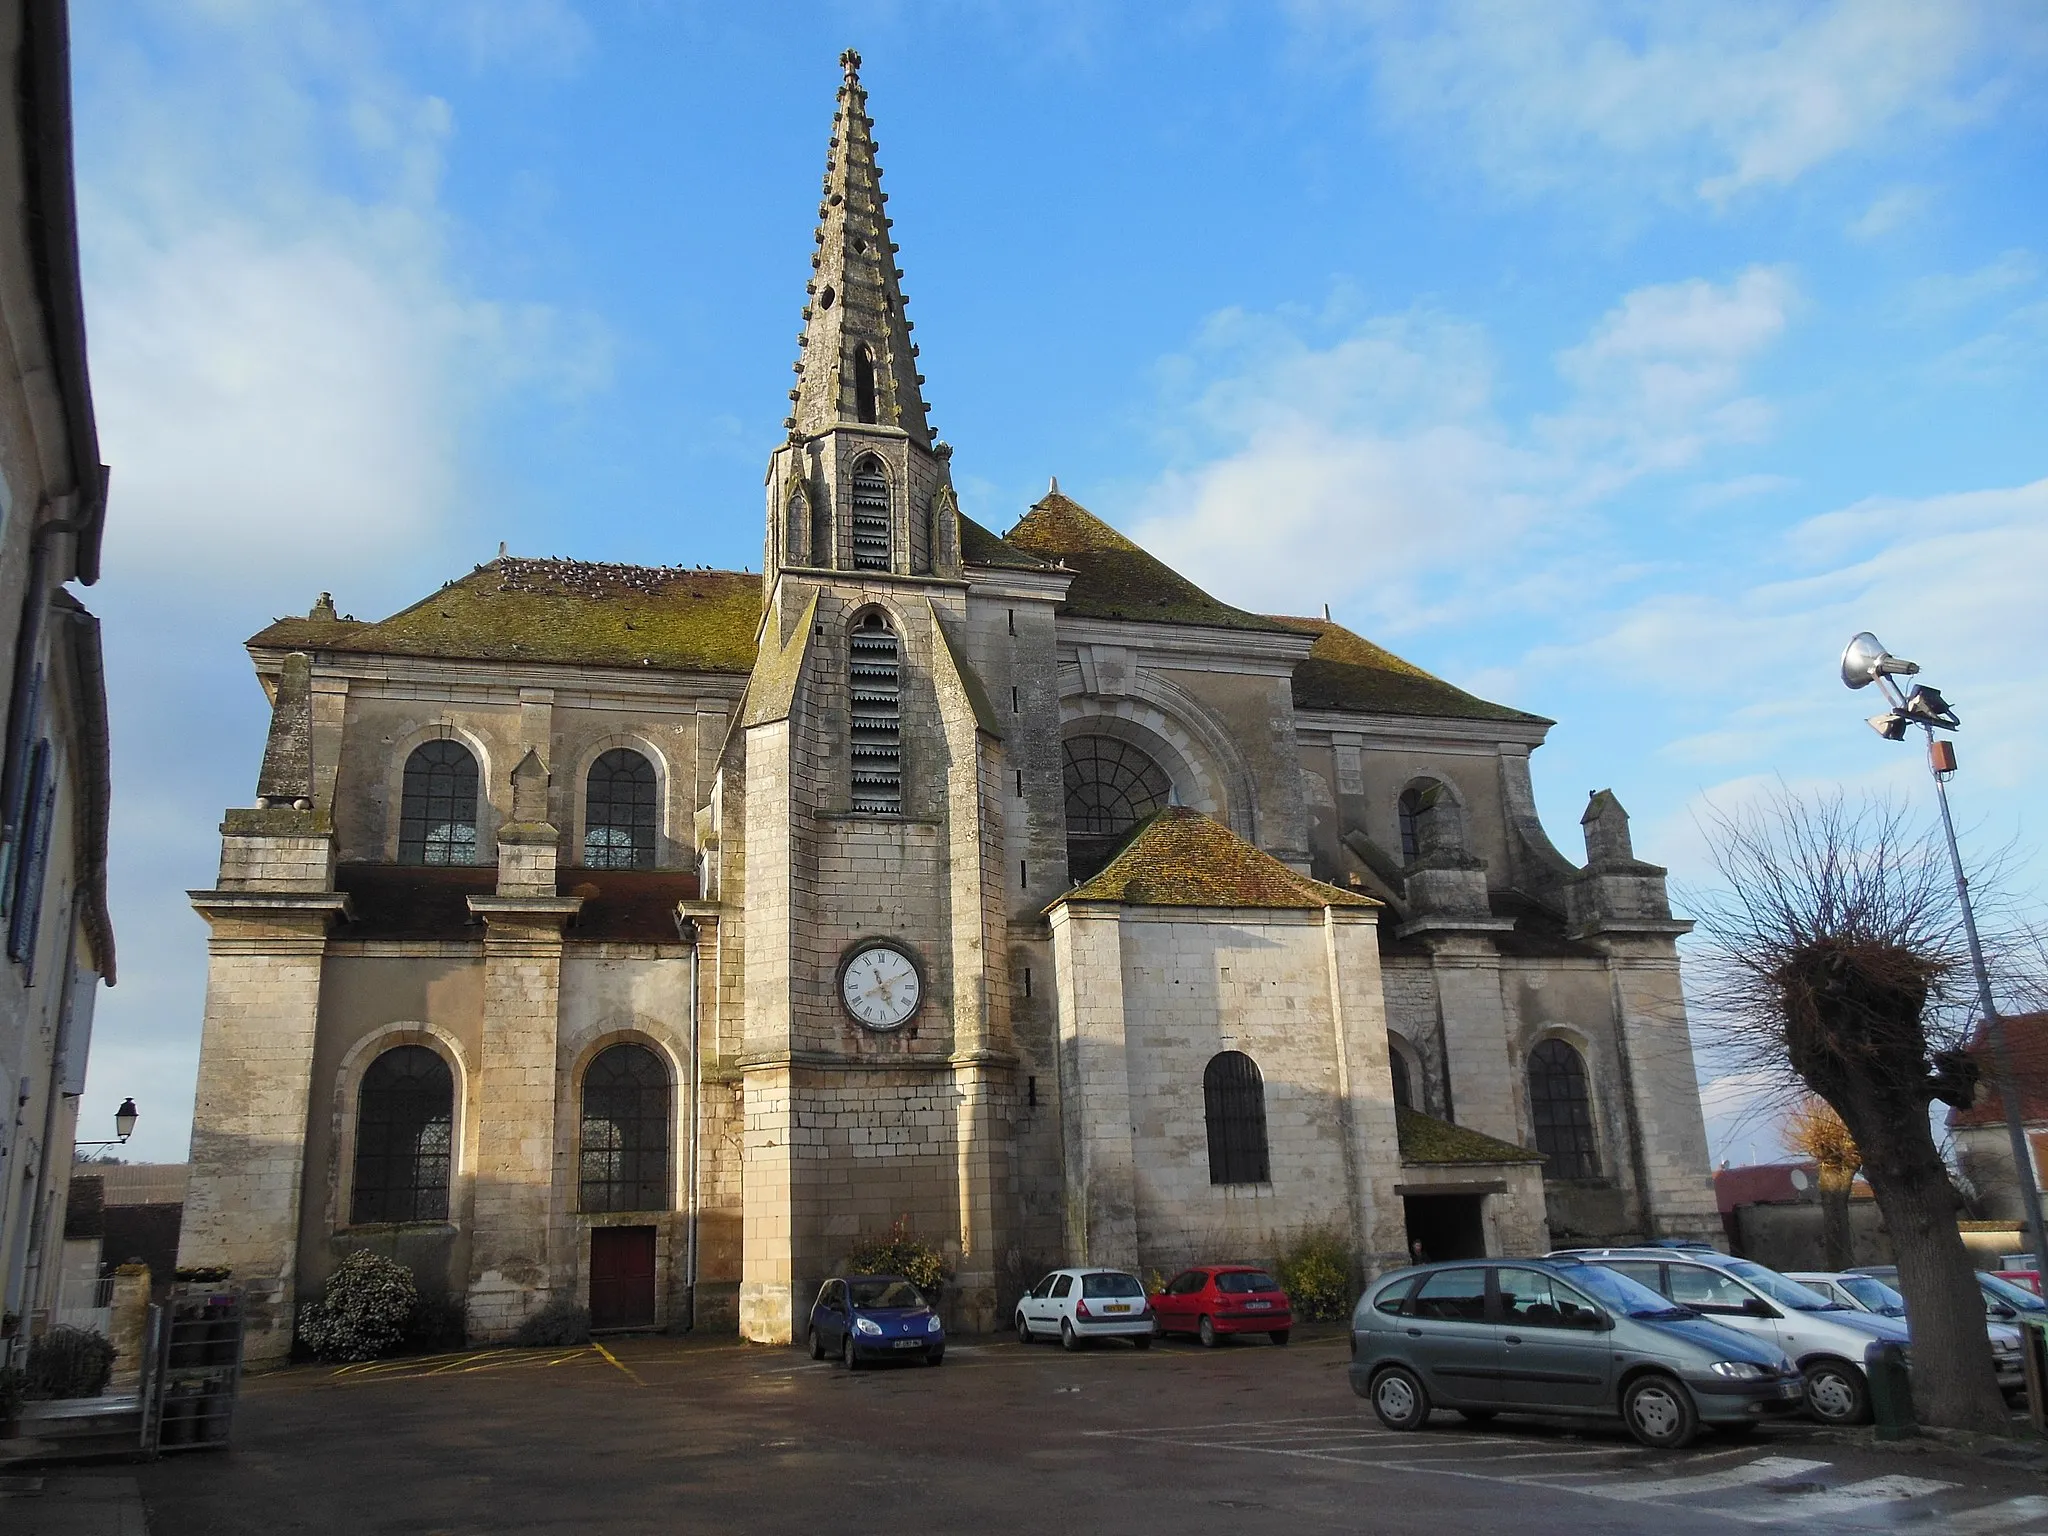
(1866, 661)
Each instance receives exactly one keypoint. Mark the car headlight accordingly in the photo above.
(932, 1324)
(868, 1325)
(1738, 1370)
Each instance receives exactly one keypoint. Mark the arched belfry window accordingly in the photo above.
(623, 1161)
(437, 813)
(876, 695)
(870, 515)
(1111, 786)
(620, 810)
(1234, 1104)
(1562, 1110)
(405, 1122)
(864, 385)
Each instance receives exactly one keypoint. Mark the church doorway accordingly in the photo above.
(621, 1277)
(1447, 1226)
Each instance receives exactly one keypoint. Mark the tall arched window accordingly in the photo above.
(623, 1165)
(405, 1121)
(1409, 812)
(1404, 1087)
(870, 515)
(1563, 1111)
(1234, 1103)
(1111, 787)
(875, 692)
(620, 810)
(864, 385)
(437, 815)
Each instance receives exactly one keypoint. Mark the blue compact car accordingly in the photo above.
(875, 1317)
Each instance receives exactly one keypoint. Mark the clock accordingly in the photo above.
(880, 986)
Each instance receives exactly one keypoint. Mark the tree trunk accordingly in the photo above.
(1836, 1249)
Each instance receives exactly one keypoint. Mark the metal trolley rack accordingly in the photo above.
(195, 1357)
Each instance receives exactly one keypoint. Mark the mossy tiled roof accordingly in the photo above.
(560, 611)
(1181, 858)
(980, 547)
(1426, 1139)
(1114, 578)
(1346, 671)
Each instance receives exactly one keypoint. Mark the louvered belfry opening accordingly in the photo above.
(877, 696)
(870, 515)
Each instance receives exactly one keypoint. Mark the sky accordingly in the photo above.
(1615, 361)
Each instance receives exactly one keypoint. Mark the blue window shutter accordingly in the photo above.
(35, 841)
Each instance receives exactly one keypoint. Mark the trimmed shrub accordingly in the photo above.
(1316, 1274)
(364, 1312)
(560, 1323)
(69, 1362)
(903, 1253)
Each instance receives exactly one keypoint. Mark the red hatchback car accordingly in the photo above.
(1213, 1300)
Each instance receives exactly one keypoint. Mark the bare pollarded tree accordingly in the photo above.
(1834, 964)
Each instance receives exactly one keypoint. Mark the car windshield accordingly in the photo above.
(1246, 1280)
(1620, 1294)
(1874, 1294)
(1787, 1293)
(2018, 1297)
(1110, 1283)
(876, 1295)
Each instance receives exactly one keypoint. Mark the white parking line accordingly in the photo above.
(1765, 1469)
(1852, 1497)
(1996, 1518)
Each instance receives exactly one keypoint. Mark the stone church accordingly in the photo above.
(648, 938)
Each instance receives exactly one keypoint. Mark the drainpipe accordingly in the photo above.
(689, 930)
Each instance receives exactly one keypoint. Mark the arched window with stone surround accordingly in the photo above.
(437, 810)
(1408, 810)
(1561, 1107)
(405, 1122)
(1403, 1078)
(871, 520)
(1111, 786)
(623, 1158)
(621, 808)
(1234, 1106)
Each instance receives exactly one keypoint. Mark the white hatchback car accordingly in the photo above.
(1076, 1305)
(1871, 1294)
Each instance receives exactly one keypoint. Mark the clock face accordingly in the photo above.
(880, 987)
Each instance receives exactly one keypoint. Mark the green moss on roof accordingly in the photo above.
(561, 611)
(1181, 858)
(1346, 671)
(1114, 578)
(1426, 1139)
(980, 547)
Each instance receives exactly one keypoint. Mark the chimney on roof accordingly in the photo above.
(324, 608)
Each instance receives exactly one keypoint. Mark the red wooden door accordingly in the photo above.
(621, 1277)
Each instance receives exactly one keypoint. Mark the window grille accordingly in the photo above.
(1563, 1112)
(405, 1120)
(437, 819)
(620, 812)
(1111, 787)
(870, 516)
(1234, 1103)
(624, 1156)
(876, 694)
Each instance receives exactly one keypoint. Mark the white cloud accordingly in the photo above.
(534, 36)
(1707, 101)
(1889, 210)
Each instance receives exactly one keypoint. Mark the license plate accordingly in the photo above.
(910, 1343)
(1117, 1307)
(1792, 1389)
(1257, 1306)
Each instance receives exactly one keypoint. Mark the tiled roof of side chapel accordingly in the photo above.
(1182, 858)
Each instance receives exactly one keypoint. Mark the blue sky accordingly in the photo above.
(1616, 361)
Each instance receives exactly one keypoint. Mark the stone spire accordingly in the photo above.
(857, 365)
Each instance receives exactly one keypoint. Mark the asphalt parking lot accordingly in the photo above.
(671, 1435)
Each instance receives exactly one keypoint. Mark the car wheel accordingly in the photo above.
(1399, 1398)
(1142, 1341)
(1836, 1393)
(1278, 1335)
(1023, 1330)
(1068, 1338)
(817, 1346)
(1206, 1332)
(935, 1357)
(1659, 1413)
(1478, 1415)
(849, 1354)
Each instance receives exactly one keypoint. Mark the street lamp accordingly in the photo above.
(1864, 662)
(124, 1127)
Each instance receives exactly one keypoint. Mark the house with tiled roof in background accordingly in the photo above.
(649, 939)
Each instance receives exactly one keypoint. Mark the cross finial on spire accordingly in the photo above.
(850, 62)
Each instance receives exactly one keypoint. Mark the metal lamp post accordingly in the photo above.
(124, 1127)
(1864, 662)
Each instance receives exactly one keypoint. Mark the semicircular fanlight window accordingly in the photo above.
(1111, 786)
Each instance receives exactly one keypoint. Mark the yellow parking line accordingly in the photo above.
(630, 1375)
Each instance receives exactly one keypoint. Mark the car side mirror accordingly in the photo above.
(1598, 1322)
(2002, 1312)
(1756, 1306)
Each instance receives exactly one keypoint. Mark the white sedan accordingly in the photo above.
(1077, 1305)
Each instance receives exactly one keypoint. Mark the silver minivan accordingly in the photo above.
(1827, 1340)
(1494, 1336)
